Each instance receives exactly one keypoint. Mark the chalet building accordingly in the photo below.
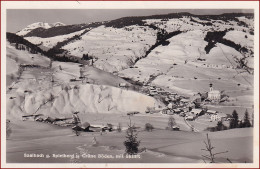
(170, 112)
(31, 117)
(28, 117)
(184, 101)
(185, 109)
(153, 92)
(190, 118)
(177, 110)
(218, 117)
(122, 85)
(196, 112)
(211, 112)
(170, 106)
(175, 128)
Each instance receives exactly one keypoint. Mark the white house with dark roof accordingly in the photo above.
(218, 117)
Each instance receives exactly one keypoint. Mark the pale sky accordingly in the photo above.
(18, 19)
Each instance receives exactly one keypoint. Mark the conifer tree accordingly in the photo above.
(234, 122)
(246, 122)
(131, 143)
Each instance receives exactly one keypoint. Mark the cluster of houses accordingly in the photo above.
(211, 96)
(65, 122)
(152, 90)
(189, 108)
(191, 113)
(62, 121)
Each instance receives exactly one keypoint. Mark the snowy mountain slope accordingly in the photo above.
(25, 57)
(84, 98)
(49, 43)
(119, 43)
(33, 26)
(64, 72)
(36, 25)
(61, 30)
(112, 50)
(50, 90)
(182, 24)
(184, 67)
(181, 54)
(15, 58)
(242, 38)
(186, 46)
(115, 49)
(11, 70)
(188, 23)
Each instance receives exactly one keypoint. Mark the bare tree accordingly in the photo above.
(100, 99)
(20, 71)
(81, 74)
(12, 77)
(48, 100)
(192, 128)
(52, 80)
(8, 128)
(16, 59)
(209, 148)
(50, 65)
(171, 122)
(110, 107)
(119, 127)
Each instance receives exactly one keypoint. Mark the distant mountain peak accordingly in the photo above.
(36, 25)
(58, 24)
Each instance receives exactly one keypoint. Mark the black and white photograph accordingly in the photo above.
(130, 85)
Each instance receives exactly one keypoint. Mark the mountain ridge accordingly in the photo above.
(225, 16)
(33, 26)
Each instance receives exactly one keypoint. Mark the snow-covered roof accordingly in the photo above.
(175, 126)
(184, 100)
(196, 111)
(214, 92)
(211, 111)
(190, 117)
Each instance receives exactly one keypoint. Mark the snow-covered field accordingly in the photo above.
(175, 147)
